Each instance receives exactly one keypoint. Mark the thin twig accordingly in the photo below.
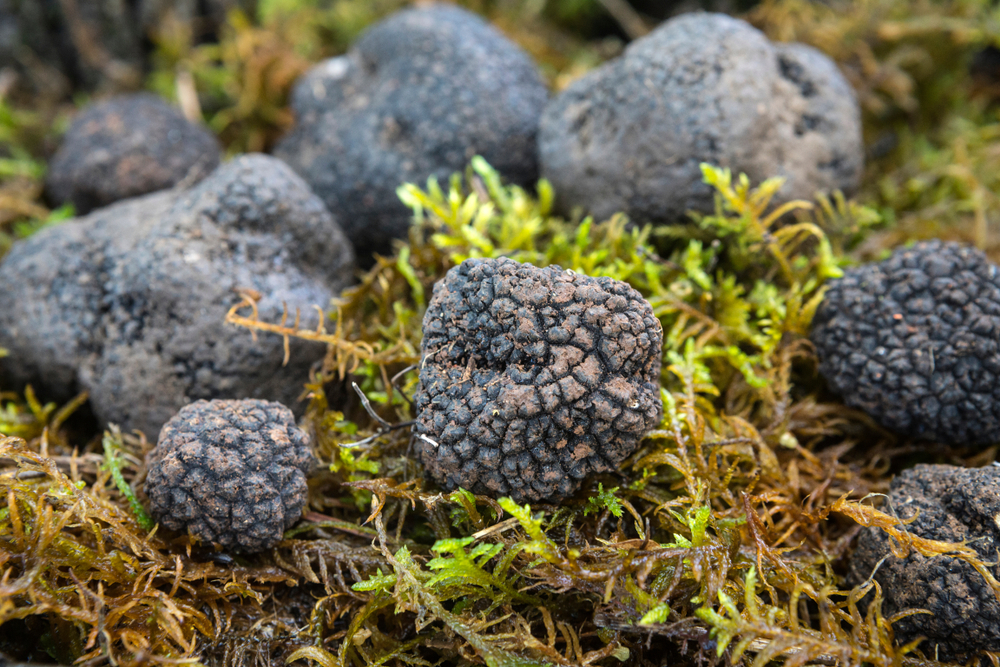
(395, 379)
(379, 433)
(368, 406)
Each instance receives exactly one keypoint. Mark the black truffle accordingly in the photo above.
(531, 379)
(129, 302)
(914, 341)
(231, 472)
(631, 134)
(419, 95)
(950, 504)
(127, 146)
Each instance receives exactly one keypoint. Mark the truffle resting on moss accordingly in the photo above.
(128, 303)
(914, 341)
(950, 504)
(631, 134)
(231, 472)
(532, 379)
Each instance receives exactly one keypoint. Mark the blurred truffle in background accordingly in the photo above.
(58, 47)
(129, 302)
(631, 135)
(126, 146)
(419, 95)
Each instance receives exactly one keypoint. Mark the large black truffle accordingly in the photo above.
(531, 379)
(127, 146)
(953, 505)
(631, 135)
(128, 302)
(419, 95)
(914, 341)
(231, 472)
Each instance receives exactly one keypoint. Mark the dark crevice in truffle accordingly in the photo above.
(796, 73)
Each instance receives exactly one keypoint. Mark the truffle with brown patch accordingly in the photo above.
(532, 379)
(231, 472)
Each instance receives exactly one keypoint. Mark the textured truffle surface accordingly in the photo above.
(531, 379)
(914, 341)
(419, 95)
(127, 146)
(231, 472)
(950, 504)
(631, 135)
(129, 302)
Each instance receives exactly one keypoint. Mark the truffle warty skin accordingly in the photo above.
(231, 472)
(532, 379)
(914, 341)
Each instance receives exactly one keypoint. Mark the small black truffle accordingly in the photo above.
(950, 504)
(127, 146)
(59, 47)
(231, 472)
(532, 379)
(914, 341)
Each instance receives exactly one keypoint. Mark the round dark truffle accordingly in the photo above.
(950, 504)
(127, 146)
(631, 135)
(419, 95)
(231, 472)
(914, 341)
(531, 379)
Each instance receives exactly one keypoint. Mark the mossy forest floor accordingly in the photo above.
(723, 539)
